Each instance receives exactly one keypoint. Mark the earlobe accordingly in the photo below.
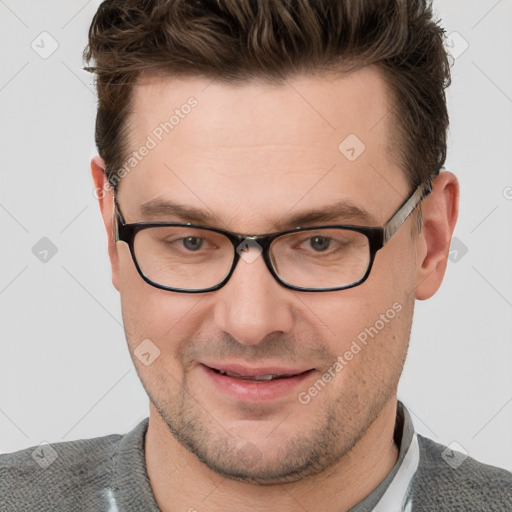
(440, 211)
(105, 195)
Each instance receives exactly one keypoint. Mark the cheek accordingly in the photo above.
(393, 275)
(372, 334)
(370, 322)
(163, 317)
(353, 324)
(341, 316)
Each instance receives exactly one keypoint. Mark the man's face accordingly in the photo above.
(251, 155)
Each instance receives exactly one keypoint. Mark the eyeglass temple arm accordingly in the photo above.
(406, 209)
(117, 214)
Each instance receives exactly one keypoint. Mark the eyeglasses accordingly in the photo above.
(189, 258)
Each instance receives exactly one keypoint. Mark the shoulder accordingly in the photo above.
(450, 480)
(57, 476)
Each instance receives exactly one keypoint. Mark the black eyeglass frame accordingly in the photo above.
(377, 237)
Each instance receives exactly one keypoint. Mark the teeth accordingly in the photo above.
(254, 377)
(265, 377)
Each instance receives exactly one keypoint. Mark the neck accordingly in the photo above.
(181, 482)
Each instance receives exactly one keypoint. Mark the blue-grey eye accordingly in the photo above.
(193, 243)
(320, 243)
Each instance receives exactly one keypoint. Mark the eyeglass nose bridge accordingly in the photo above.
(242, 245)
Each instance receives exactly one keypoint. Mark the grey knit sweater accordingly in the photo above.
(109, 474)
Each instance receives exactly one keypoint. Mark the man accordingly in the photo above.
(270, 178)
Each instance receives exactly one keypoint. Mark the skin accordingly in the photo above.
(251, 154)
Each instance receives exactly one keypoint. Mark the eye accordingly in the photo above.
(319, 243)
(192, 243)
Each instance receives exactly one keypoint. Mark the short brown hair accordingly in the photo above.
(233, 40)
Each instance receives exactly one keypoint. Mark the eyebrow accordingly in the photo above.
(342, 212)
(162, 208)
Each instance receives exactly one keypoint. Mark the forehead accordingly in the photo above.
(254, 149)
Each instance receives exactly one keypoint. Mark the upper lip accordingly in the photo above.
(247, 371)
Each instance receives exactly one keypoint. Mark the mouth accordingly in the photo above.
(266, 373)
(264, 377)
(255, 384)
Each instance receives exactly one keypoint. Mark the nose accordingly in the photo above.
(252, 304)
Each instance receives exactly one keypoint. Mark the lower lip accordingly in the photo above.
(255, 391)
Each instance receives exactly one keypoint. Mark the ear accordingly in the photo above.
(439, 210)
(105, 194)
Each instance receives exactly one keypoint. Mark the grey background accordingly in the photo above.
(65, 372)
